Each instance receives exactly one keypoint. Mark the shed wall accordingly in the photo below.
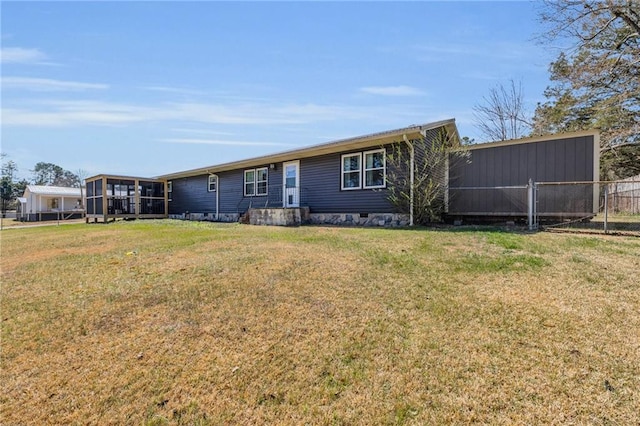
(559, 160)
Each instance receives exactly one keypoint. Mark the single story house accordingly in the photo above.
(41, 202)
(340, 182)
(345, 181)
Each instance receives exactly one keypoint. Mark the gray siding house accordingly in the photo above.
(337, 182)
(345, 181)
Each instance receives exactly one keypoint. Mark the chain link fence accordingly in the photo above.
(604, 207)
(615, 206)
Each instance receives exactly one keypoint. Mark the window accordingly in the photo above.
(374, 169)
(261, 181)
(169, 187)
(364, 170)
(255, 182)
(249, 182)
(212, 184)
(351, 171)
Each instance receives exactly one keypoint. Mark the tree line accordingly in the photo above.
(595, 83)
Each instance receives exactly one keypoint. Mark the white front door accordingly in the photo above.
(291, 184)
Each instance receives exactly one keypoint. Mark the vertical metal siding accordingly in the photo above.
(559, 160)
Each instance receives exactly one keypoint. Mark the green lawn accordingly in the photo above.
(166, 322)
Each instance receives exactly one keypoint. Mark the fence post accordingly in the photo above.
(530, 203)
(633, 195)
(606, 207)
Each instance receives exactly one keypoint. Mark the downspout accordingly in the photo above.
(411, 176)
(217, 197)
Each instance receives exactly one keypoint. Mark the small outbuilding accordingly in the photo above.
(41, 202)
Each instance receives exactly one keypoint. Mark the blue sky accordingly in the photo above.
(147, 88)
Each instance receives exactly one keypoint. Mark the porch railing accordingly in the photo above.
(275, 198)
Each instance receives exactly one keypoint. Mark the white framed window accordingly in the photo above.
(351, 171)
(249, 182)
(212, 183)
(262, 177)
(169, 187)
(256, 181)
(374, 169)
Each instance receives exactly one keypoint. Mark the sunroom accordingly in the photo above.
(112, 197)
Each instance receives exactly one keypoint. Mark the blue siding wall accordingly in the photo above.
(320, 182)
(232, 199)
(190, 195)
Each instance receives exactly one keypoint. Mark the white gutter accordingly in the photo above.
(411, 177)
(217, 196)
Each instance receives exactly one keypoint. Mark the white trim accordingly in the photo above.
(545, 138)
(169, 187)
(217, 197)
(286, 191)
(596, 172)
(209, 183)
(253, 182)
(365, 170)
(359, 171)
(266, 181)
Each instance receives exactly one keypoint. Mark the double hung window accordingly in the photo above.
(363, 170)
(351, 171)
(255, 182)
(212, 183)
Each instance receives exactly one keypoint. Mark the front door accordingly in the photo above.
(291, 187)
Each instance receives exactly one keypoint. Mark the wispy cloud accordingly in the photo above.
(72, 113)
(392, 90)
(202, 131)
(496, 50)
(58, 113)
(20, 55)
(173, 90)
(48, 85)
(223, 142)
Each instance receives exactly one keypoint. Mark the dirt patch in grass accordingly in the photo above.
(165, 322)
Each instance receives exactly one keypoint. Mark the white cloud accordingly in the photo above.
(392, 90)
(175, 90)
(56, 113)
(223, 142)
(20, 55)
(48, 85)
(72, 113)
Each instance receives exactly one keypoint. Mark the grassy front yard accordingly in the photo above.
(163, 322)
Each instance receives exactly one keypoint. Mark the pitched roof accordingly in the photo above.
(355, 143)
(60, 191)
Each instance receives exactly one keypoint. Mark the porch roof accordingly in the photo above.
(54, 191)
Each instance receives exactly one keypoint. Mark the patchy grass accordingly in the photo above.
(164, 322)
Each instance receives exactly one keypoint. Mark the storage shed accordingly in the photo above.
(562, 170)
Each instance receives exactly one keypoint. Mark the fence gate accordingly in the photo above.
(606, 206)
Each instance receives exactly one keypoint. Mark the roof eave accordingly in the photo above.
(358, 142)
